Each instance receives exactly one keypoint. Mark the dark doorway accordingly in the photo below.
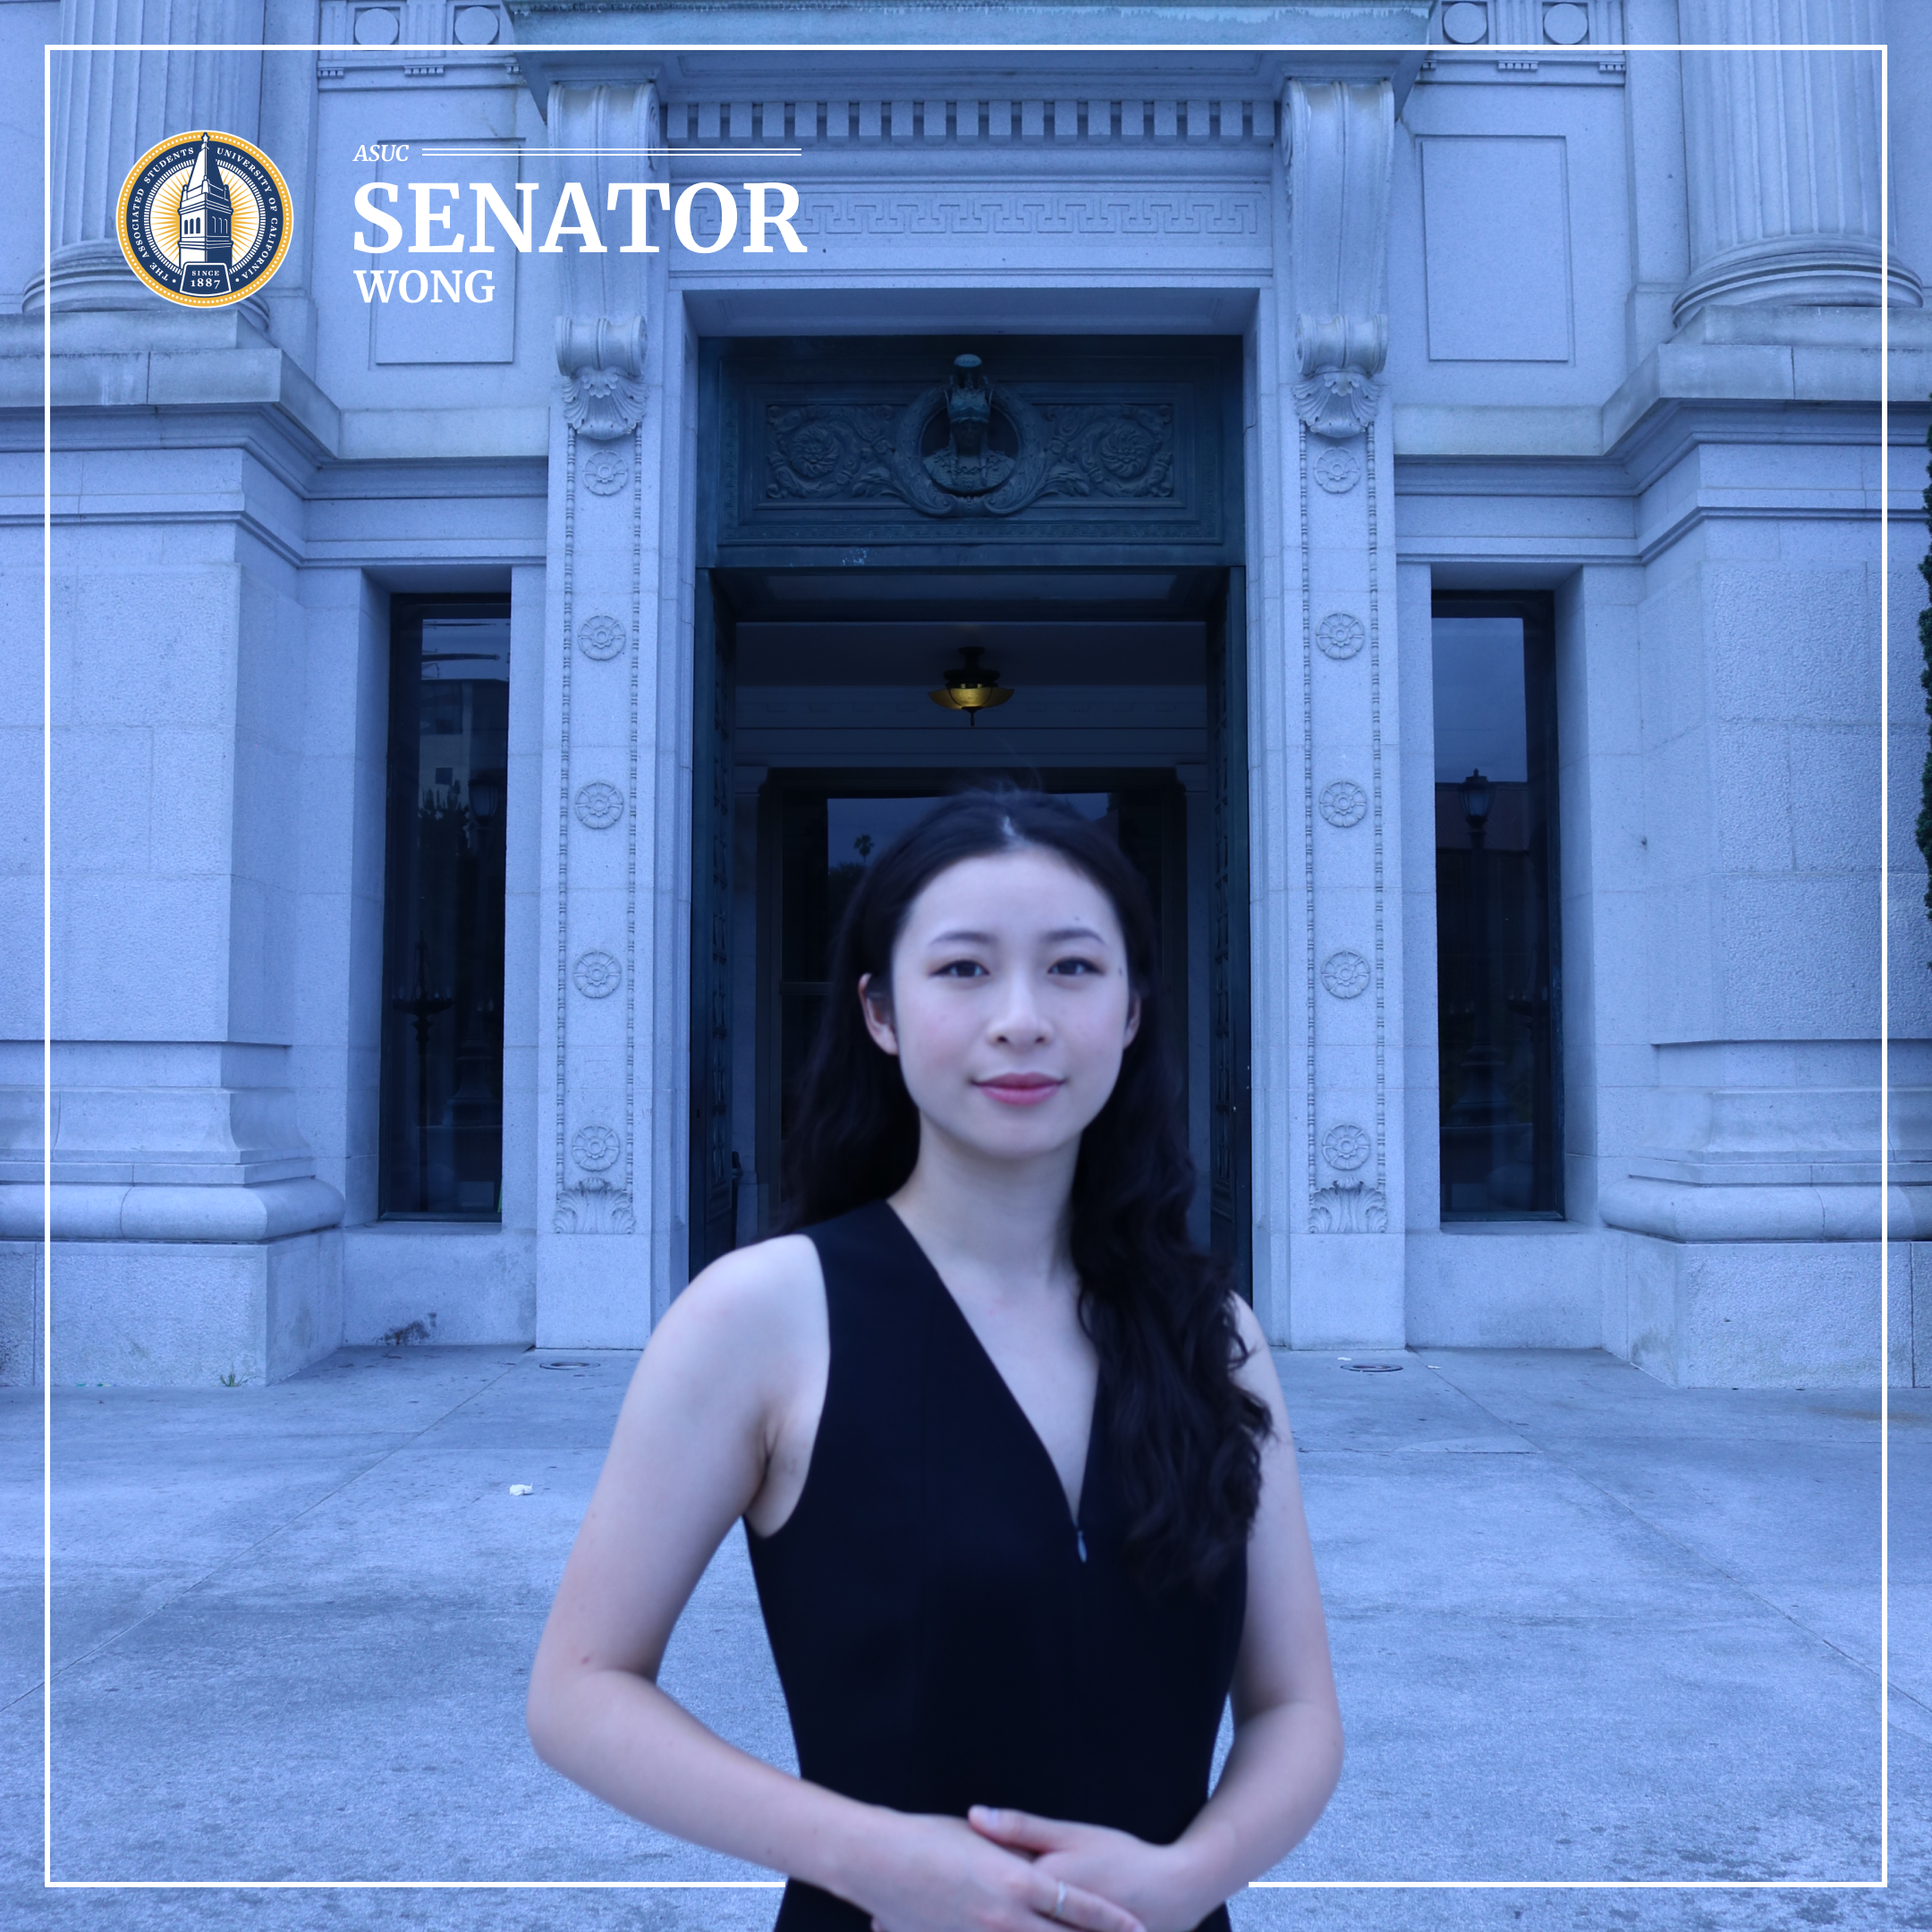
(1067, 509)
(817, 741)
(441, 1084)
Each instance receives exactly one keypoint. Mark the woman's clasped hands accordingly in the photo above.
(1009, 1871)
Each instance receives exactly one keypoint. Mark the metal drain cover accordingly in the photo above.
(563, 1365)
(1374, 1368)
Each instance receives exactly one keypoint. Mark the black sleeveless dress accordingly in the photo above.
(946, 1632)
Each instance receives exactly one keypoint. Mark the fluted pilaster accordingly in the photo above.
(1782, 152)
(1329, 1139)
(110, 108)
(618, 704)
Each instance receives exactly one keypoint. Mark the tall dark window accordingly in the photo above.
(1498, 982)
(443, 930)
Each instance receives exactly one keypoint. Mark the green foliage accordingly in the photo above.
(1924, 678)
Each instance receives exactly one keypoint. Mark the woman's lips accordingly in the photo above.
(1022, 1090)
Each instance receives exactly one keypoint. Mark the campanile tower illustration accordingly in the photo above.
(207, 226)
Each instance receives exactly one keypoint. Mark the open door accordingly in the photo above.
(713, 1222)
(1231, 1179)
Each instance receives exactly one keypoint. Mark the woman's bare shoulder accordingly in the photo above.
(1256, 1373)
(1247, 1323)
(768, 1294)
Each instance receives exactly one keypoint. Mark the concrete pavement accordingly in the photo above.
(1586, 1627)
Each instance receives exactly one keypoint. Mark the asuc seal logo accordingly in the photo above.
(204, 220)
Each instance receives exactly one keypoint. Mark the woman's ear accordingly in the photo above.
(1133, 1019)
(877, 1007)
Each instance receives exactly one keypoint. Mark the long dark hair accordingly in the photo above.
(1187, 1437)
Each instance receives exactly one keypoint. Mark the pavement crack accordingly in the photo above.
(247, 1549)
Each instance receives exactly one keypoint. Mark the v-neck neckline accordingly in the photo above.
(1044, 1454)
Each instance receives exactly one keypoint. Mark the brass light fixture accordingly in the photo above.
(971, 687)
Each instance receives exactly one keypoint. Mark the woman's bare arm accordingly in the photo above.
(1287, 1750)
(708, 1417)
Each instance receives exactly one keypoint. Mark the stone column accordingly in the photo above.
(109, 109)
(609, 1216)
(1781, 154)
(1341, 1133)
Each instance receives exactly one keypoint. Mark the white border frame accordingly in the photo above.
(961, 46)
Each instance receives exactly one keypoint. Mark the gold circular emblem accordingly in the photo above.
(204, 220)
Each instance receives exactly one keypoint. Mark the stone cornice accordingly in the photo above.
(1758, 374)
(271, 1210)
(1754, 374)
(981, 52)
(136, 359)
(1764, 355)
(1683, 1211)
(1021, 22)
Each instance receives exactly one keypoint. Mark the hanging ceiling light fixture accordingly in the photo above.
(971, 687)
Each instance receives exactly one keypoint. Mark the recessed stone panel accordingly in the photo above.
(467, 311)
(1495, 218)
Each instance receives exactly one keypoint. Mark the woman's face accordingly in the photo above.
(1010, 1003)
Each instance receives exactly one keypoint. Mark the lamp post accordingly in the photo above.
(1477, 799)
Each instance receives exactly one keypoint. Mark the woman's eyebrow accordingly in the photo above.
(1058, 937)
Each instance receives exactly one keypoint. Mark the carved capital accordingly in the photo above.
(1341, 138)
(1339, 356)
(603, 366)
(594, 1206)
(1348, 1208)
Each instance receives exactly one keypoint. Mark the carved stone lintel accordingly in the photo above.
(603, 366)
(835, 452)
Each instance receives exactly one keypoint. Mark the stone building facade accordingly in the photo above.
(1237, 378)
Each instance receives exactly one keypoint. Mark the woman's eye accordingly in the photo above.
(959, 970)
(1073, 967)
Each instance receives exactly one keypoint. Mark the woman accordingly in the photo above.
(1017, 1479)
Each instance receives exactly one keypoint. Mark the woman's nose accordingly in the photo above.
(1020, 1016)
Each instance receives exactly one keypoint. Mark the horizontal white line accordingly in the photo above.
(753, 152)
(1481, 50)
